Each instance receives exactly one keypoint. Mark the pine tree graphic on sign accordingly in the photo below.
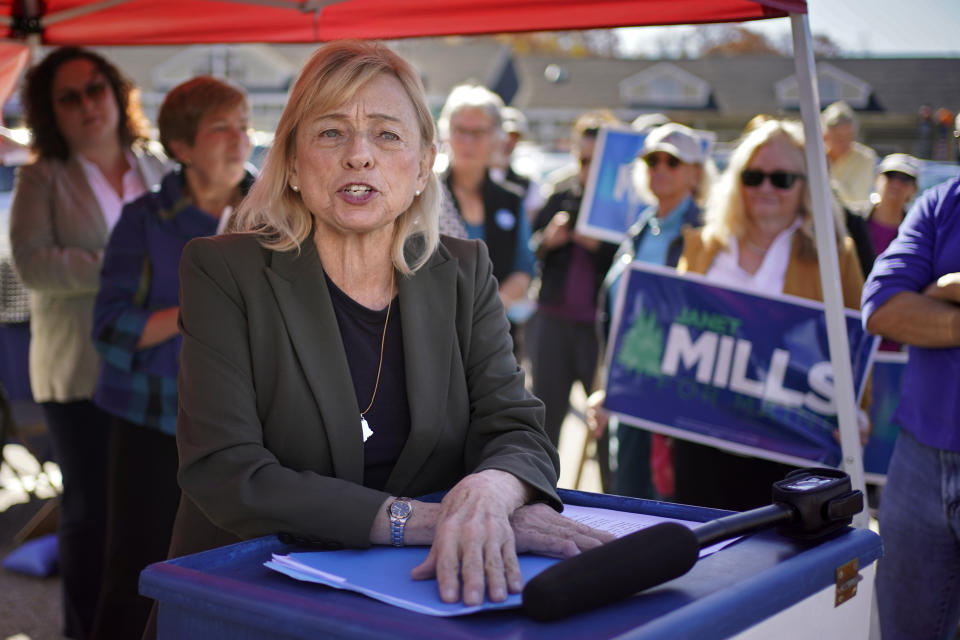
(641, 349)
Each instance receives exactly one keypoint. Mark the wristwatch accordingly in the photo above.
(399, 512)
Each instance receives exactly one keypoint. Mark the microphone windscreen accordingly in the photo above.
(611, 572)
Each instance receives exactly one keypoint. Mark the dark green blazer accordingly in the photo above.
(269, 430)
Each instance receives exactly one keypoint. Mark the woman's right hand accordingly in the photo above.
(541, 530)
(597, 416)
(473, 541)
(557, 231)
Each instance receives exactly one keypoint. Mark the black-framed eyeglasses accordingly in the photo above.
(466, 133)
(779, 179)
(93, 91)
(653, 159)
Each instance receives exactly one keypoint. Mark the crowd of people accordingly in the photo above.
(221, 355)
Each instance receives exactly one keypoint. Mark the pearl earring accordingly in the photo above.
(417, 192)
(295, 187)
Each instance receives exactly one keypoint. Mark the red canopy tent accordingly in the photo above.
(147, 22)
(154, 22)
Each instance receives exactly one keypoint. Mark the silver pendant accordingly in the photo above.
(365, 428)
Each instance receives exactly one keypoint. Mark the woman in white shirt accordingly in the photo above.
(758, 233)
(88, 136)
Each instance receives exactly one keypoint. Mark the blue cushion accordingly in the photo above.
(37, 557)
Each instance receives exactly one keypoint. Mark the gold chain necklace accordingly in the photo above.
(364, 425)
(754, 248)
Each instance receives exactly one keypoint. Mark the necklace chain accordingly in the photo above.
(383, 340)
(755, 248)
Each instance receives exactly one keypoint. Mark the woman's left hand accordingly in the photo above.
(481, 529)
(473, 539)
(541, 530)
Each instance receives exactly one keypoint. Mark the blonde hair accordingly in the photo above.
(725, 215)
(331, 77)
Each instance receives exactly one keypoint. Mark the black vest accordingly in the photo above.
(502, 209)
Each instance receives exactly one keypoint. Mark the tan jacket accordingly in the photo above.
(852, 175)
(803, 274)
(57, 234)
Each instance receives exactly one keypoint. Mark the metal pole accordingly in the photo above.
(824, 227)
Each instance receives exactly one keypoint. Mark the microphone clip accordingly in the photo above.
(822, 500)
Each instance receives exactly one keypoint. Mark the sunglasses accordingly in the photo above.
(73, 99)
(899, 176)
(779, 179)
(653, 160)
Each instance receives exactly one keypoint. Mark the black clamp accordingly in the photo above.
(822, 500)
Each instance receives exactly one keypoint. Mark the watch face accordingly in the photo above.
(400, 509)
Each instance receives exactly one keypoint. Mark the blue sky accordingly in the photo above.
(860, 27)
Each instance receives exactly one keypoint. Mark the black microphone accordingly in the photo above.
(809, 504)
(612, 571)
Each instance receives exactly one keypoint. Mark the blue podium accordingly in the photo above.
(764, 586)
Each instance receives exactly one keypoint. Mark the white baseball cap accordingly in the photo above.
(679, 141)
(901, 163)
(513, 120)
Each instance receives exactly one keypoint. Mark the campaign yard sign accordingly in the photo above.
(610, 202)
(887, 376)
(722, 366)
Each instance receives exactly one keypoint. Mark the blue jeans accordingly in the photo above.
(918, 578)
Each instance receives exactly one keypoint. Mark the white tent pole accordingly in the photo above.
(819, 184)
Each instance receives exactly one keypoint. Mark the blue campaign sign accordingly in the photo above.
(888, 368)
(739, 370)
(610, 203)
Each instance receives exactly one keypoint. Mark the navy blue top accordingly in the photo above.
(927, 246)
(361, 330)
(139, 277)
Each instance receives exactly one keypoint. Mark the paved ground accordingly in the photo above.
(29, 607)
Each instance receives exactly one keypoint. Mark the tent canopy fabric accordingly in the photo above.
(155, 22)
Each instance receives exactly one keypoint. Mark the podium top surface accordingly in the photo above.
(230, 589)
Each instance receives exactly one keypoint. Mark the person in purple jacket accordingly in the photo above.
(913, 296)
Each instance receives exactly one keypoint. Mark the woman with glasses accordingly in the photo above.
(470, 123)
(674, 175)
(89, 136)
(758, 234)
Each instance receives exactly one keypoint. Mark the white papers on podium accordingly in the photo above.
(383, 573)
